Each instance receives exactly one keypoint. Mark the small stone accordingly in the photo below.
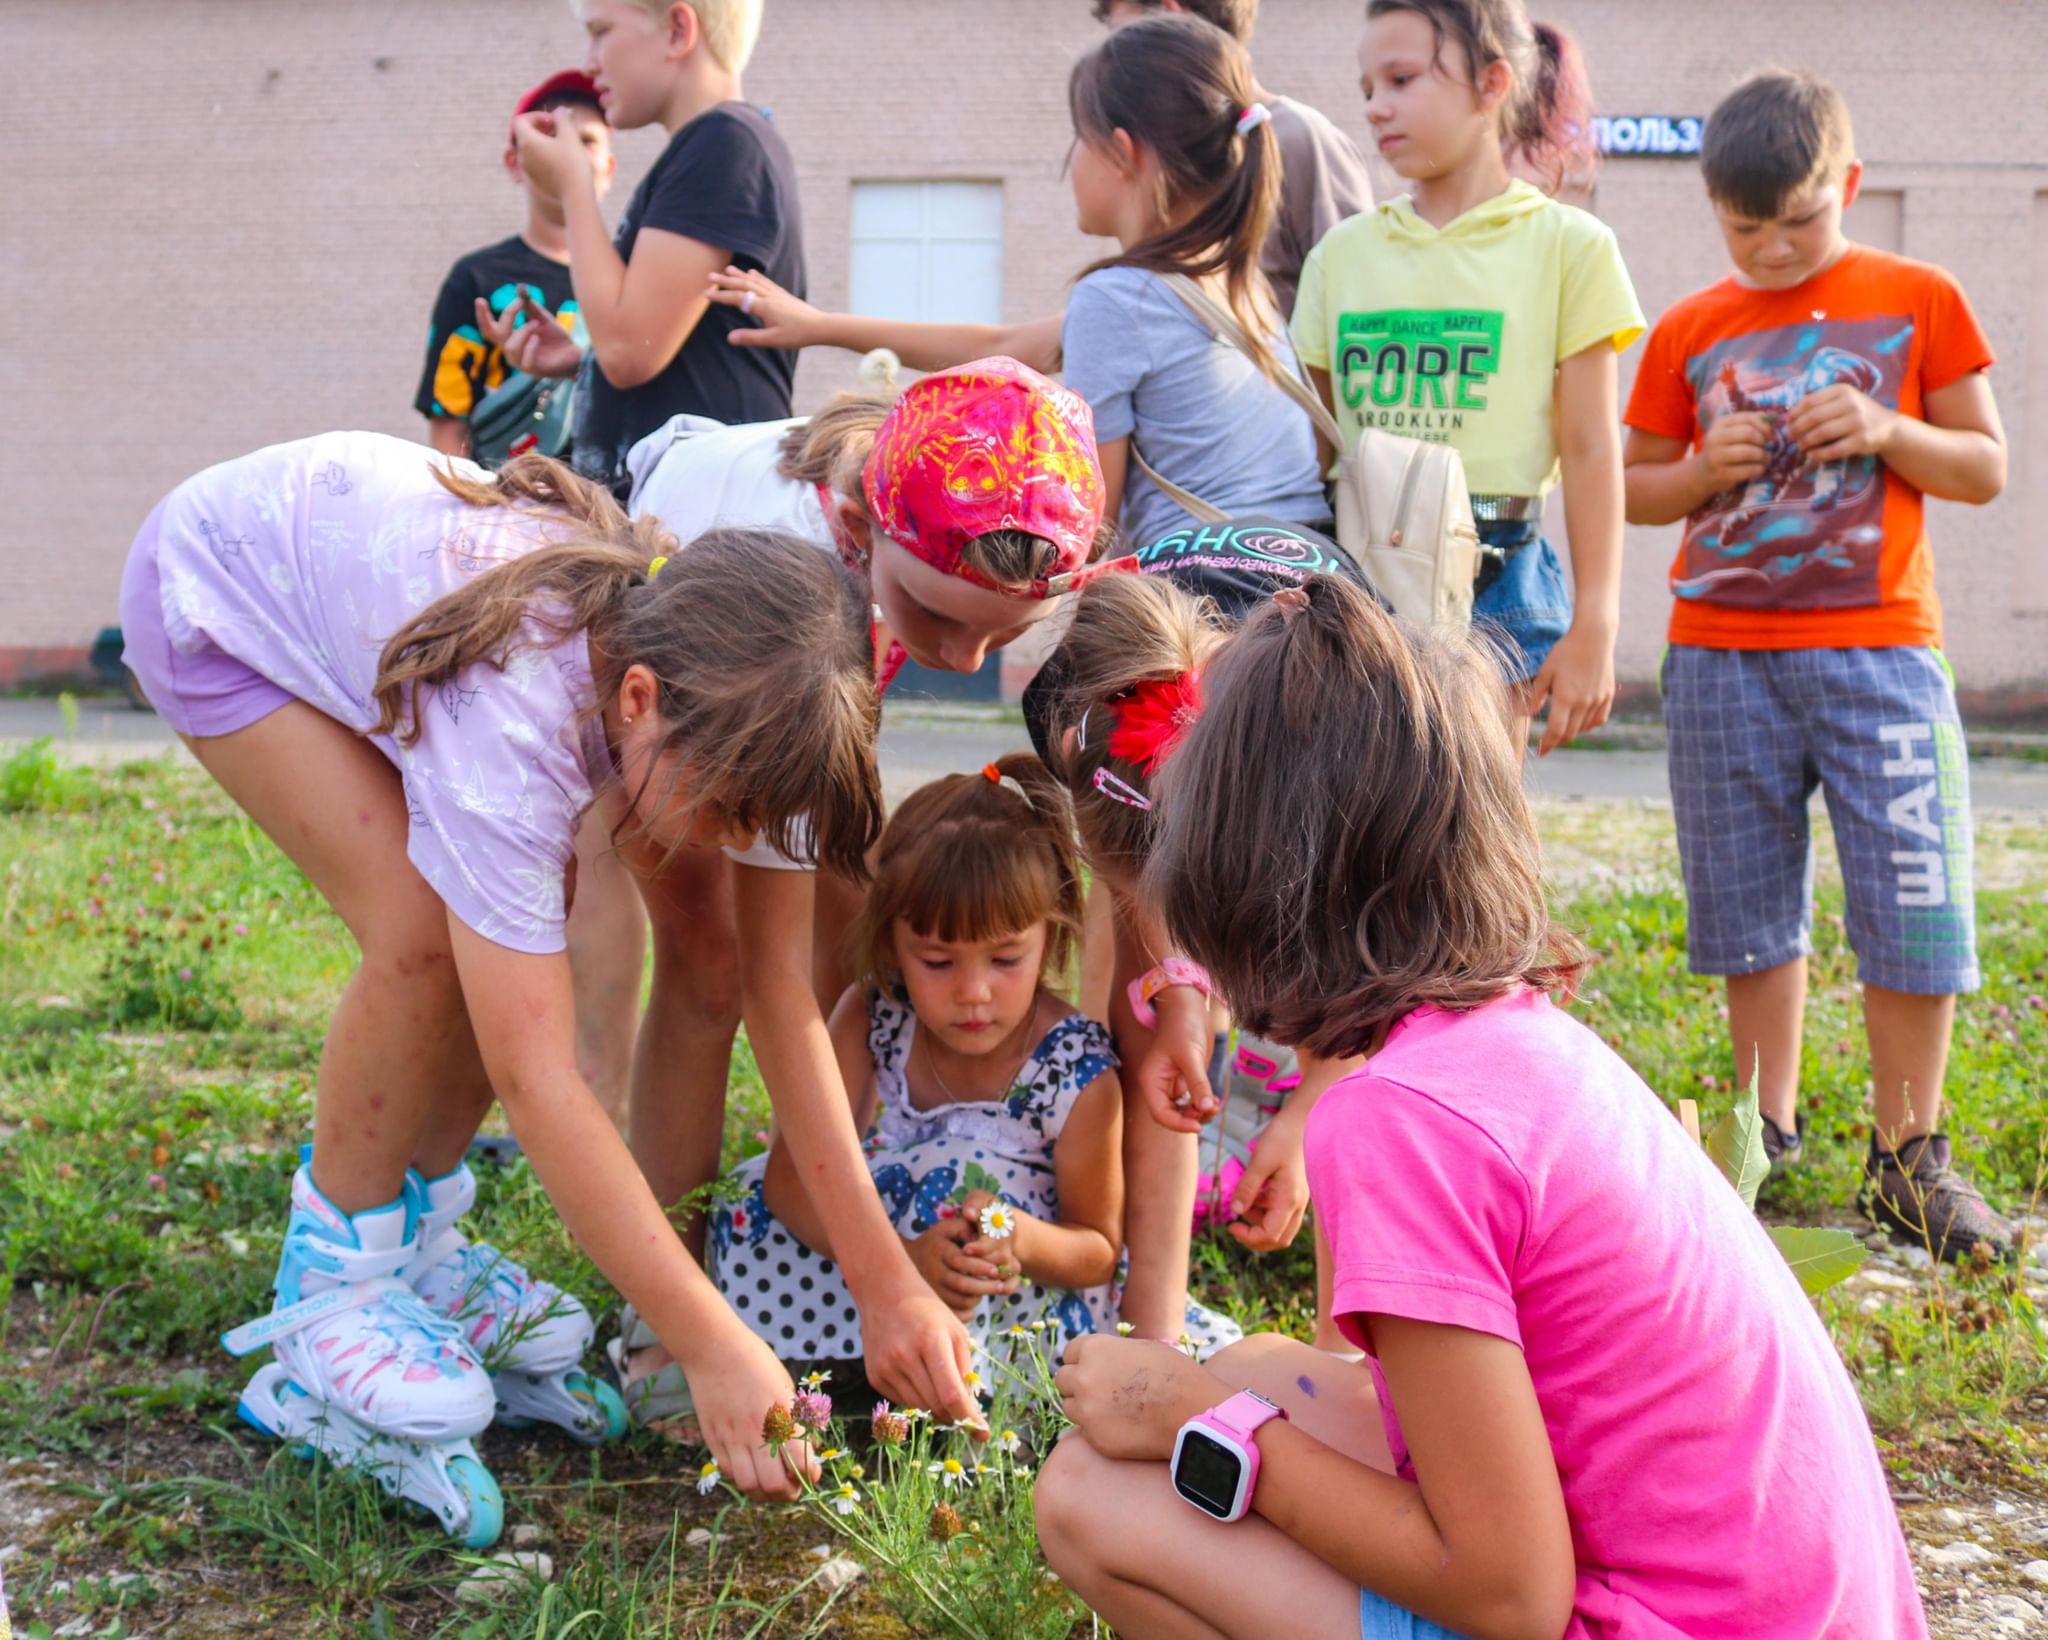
(2001, 1507)
(1955, 1556)
(9, 1550)
(837, 1572)
(525, 1535)
(1886, 1280)
(1952, 1517)
(1917, 1257)
(502, 1574)
(822, 1552)
(2035, 1571)
(697, 1537)
(2010, 1611)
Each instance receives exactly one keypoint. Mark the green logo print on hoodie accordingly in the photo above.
(1417, 370)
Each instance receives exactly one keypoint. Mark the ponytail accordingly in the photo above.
(758, 642)
(1546, 124)
(1182, 88)
(1128, 632)
(571, 585)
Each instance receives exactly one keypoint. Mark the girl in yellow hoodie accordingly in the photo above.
(1479, 312)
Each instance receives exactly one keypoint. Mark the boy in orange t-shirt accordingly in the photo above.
(1793, 415)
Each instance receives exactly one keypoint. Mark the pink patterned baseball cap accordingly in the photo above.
(992, 445)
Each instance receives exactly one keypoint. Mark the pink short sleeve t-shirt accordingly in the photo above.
(302, 559)
(1502, 1170)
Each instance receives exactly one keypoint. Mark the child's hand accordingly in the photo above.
(551, 152)
(1737, 448)
(962, 1279)
(1839, 422)
(1577, 679)
(1129, 1396)
(780, 319)
(734, 1385)
(1273, 1194)
(1173, 1077)
(540, 346)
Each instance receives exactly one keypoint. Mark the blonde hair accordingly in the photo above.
(758, 641)
(731, 27)
(1127, 630)
(831, 450)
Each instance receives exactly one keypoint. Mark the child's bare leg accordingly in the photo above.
(400, 1042)
(1098, 952)
(1909, 1042)
(1160, 1168)
(837, 903)
(677, 1113)
(1766, 1022)
(607, 956)
(1186, 1574)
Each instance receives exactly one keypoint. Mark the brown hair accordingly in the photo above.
(1178, 85)
(832, 449)
(1547, 120)
(1127, 630)
(966, 858)
(1772, 138)
(759, 641)
(1343, 835)
(1237, 18)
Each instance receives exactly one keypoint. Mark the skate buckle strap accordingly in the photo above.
(267, 1329)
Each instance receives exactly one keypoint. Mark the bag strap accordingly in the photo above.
(1222, 323)
(1188, 502)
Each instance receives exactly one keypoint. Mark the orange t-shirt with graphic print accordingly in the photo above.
(1827, 557)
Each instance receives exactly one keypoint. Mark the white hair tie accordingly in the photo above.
(1252, 118)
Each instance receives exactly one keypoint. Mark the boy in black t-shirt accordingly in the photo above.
(464, 362)
(723, 191)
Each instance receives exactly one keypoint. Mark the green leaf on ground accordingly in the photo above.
(1819, 1258)
(1737, 1145)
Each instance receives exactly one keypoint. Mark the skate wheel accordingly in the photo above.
(479, 1489)
(604, 1401)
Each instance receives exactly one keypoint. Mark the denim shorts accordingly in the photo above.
(1521, 598)
(1380, 1619)
(1753, 733)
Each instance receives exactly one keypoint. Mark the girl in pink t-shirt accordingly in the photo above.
(420, 679)
(1595, 1401)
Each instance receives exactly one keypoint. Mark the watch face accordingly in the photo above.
(1207, 1473)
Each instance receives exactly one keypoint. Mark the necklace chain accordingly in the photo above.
(931, 1063)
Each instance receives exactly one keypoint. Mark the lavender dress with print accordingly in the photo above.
(924, 1162)
(302, 559)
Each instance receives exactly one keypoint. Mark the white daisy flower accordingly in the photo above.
(1124, 1329)
(814, 1380)
(1008, 1442)
(708, 1478)
(950, 1471)
(997, 1221)
(846, 1499)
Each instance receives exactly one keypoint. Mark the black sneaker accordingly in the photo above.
(1915, 1194)
(1784, 1149)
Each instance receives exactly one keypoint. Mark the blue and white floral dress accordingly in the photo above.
(924, 1163)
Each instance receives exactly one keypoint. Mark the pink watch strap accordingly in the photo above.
(1245, 1412)
(1171, 971)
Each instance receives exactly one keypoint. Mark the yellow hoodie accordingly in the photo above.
(1454, 334)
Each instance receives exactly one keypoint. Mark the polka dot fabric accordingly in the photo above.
(922, 1161)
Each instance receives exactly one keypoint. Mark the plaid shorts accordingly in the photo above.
(1752, 733)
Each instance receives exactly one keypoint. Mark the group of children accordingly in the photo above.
(437, 688)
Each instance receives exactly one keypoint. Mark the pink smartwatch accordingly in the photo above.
(1216, 1455)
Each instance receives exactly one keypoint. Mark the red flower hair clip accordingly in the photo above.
(1151, 719)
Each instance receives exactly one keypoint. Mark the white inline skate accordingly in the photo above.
(365, 1373)
(531, 1336)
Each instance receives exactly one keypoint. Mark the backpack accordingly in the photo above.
(1404, 513)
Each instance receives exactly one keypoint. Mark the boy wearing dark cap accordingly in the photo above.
(463, 364)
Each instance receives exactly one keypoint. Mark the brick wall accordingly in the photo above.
(229, 228)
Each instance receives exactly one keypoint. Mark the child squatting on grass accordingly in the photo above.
(993, 1106)
(1592, 1387)
(420, 680)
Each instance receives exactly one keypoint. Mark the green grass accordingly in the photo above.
(164, 981)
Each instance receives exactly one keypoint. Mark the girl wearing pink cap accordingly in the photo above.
(968, 504)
